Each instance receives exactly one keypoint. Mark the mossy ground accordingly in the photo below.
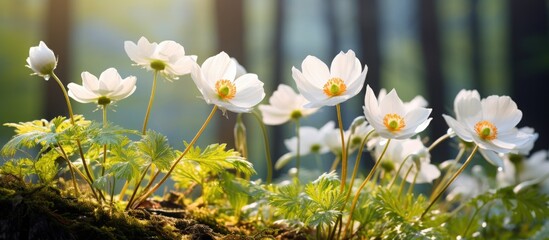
(45, 212)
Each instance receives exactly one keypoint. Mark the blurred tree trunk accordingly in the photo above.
(58, 30)
(430, 42)
(368, 14)
(529, 64)
(474, 21)
(277, 136)
(230, 35)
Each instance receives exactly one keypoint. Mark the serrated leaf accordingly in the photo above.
(107, 135)
(126, 162)
(155, 149)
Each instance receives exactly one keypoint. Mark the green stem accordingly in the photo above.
(477, 210)
(447, 174)
(413, 184)
(459, 171)
(357, 163)
(193, 141)
(398, 171)
(298, 155)
(66, 157)
(267, 148)
(137, 184)
(123, 190)
(357, 195)
(403, 181)
(151, 100)
(69, 106)
(438, 141)
(71, 115)
(343, 150)
(104, 108)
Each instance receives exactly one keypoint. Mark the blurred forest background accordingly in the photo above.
(432, 48)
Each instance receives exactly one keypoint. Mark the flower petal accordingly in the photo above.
(345, 66)
(315, 71)
(460, 130)
(391, 104)
(219, 67)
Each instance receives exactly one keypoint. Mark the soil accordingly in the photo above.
(45, 212)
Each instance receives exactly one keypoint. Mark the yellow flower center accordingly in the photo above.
(394, 122)
(486, 130)
(334, 87)
(225, 89)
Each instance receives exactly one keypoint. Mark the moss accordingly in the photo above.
(44, 212)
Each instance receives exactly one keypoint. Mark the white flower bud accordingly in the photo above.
(41, 60)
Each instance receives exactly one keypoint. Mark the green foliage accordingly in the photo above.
(504, 214)
(155, 149)
(209, 169)
(110, 134)
(125, 161)
(317, 204)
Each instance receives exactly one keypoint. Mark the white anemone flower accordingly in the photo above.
(167, 57)
(489, 123)
(312, 141)
(108, 88)
(284, 105)
(391, 119)
(216, 81)
(323, 86)
(413, 156)
(41, 60)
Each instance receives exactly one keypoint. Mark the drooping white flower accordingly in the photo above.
(285, 104)
(108, 88)
(391, 119)
(41, 60)
(489, 123)
(413, 156)
(167, 57)
(216, 81)
(323, 86)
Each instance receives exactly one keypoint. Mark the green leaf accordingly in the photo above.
(155, 149)
(23, 167)
(125, 161)
(215, 159)
(107, 135)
